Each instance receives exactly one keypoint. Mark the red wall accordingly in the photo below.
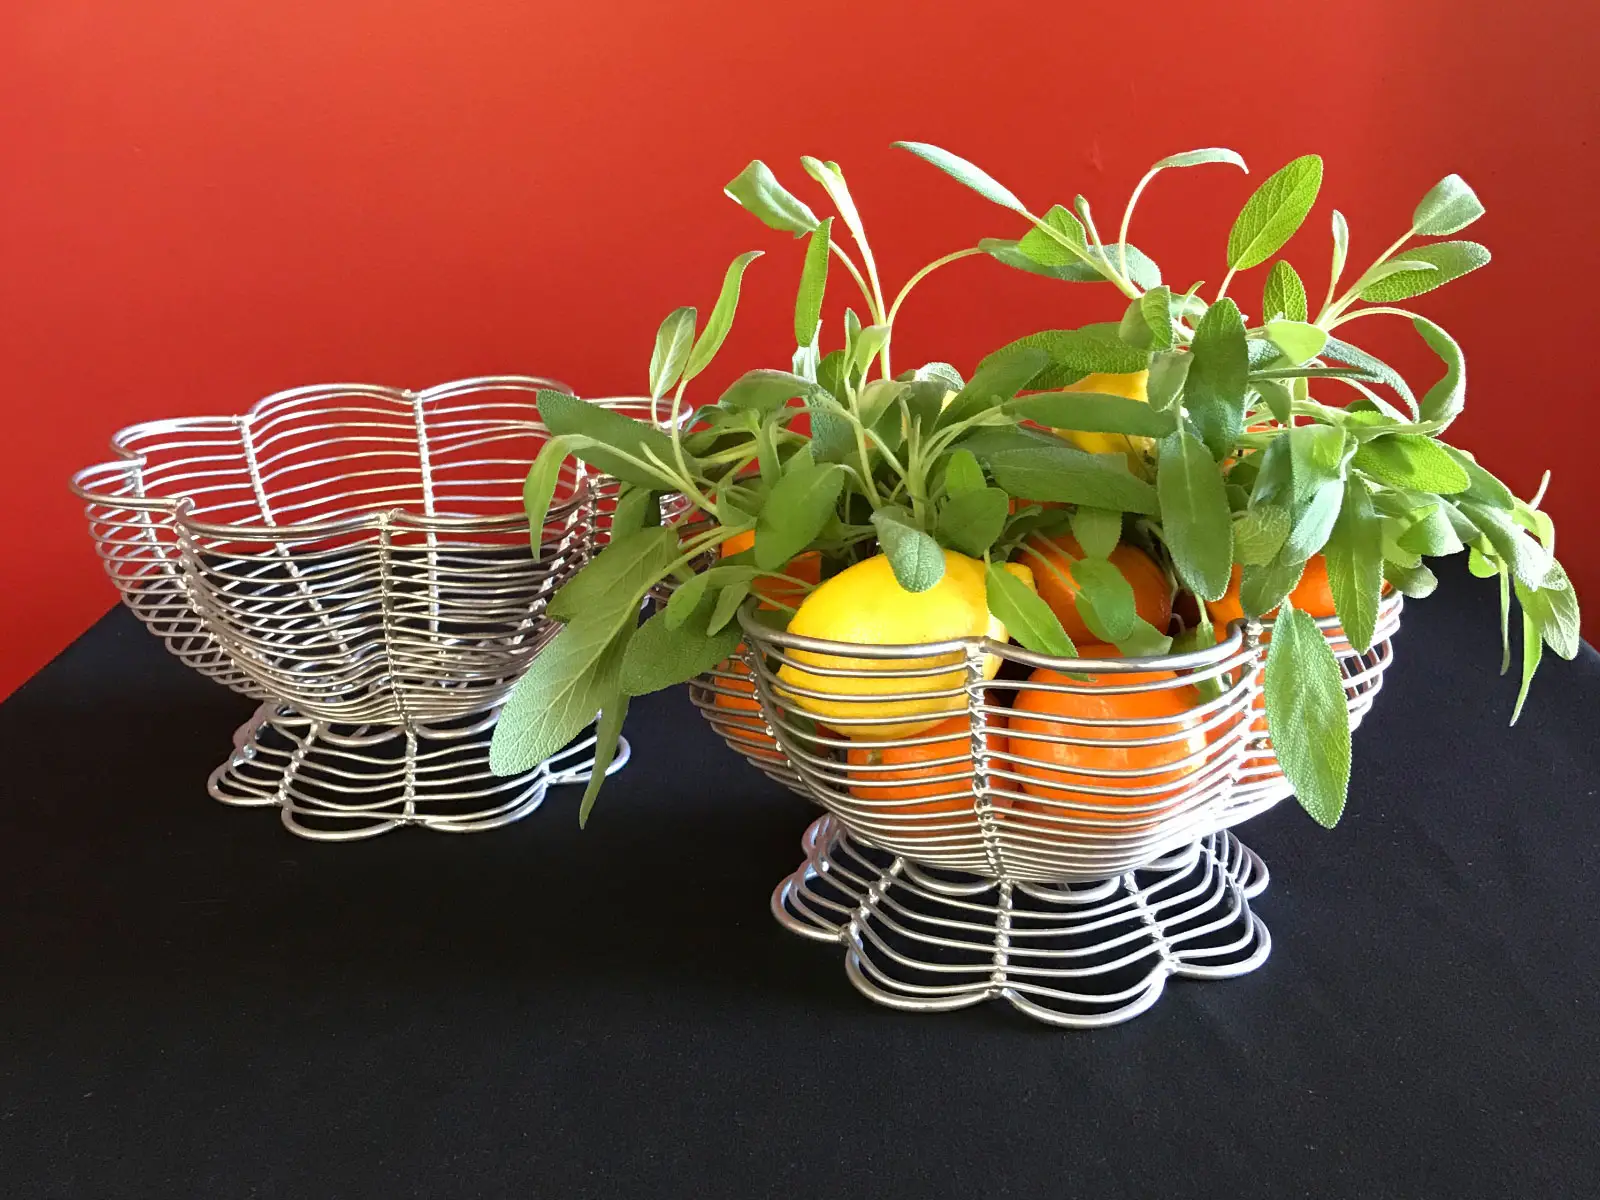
(202, 201)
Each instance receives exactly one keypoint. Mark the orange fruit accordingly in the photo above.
(744, 723)
(1054, 772)
(1312, 595)
(1152, 593)
(807, 566)
(916, 773)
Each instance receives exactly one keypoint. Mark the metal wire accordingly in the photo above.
(357, 557)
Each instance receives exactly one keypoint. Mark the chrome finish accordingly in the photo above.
(356, 557)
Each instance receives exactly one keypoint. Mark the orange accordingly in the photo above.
(1311, 595)
(1152, 593)
(918, 774)
(1054, 771)
(743, 722)
(807, 566)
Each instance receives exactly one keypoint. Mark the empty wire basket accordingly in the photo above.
(356, 558)
(1052, 832)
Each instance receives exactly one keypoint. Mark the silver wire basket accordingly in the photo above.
(356, 558)
(1012, 840)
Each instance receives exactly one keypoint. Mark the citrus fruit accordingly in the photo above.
(1130, 386)
(1152, 592)
(937, 773)
(1058, 773)
(865, 605)
(807, 566)
(742, 722)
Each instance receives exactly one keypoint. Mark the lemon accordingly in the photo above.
(866, 606)
(1131, 386)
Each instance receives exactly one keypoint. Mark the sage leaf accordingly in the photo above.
(1105, 599)
(662, 654)
(1259, 534)
(1070, 354)
(1354, 556)
(1044, 243)
(756, 189)
(915, 558)
(1532, 653)
(1341, 249)
(637, 508)
(727, 606)
(763, 392)
(1299, 341)
(998, 378)
(1196, 521)
(1088, 412)
(1194, 158)
(1529, 561)
(1214, 392)
(831, 178)
(1416, 582)
(615, 580)
(1263, 588)
(1274, 212)
(795, 512)
(1096, 530)
(1444, 261)
(1449, 207)
(1284, 295)
(607, 733)
(813, 284)
(539, 488)
(1553, 609)
(721, 318)
(1409, 460)
(962, 473)
(971, 521)
(1168, 373)
(1313, 522)
(1306, 715)
(1373, 368)
(943, 373)
(606, 435)
(1027, 618)
(964, 172)
(1316, 455)
(1444, 401)
(558, 695)
(1066, 475)
(673, 342)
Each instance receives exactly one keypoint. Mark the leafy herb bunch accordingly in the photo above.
(1239, 479)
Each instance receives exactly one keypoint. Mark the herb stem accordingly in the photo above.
(1375, 310)
(894, 309)
(855, 273)
(1226, 280)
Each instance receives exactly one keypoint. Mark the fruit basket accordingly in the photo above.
(357, 559)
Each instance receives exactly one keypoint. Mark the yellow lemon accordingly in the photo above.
(866, 606)
(1139, 450)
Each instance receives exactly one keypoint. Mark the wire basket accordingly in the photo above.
(357, 558)
(983, 790)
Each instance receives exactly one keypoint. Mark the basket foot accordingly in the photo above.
(337, 783)
(1077, 955)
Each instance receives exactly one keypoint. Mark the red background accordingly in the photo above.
(202, 201)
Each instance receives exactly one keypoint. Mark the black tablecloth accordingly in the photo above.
(193, 1002)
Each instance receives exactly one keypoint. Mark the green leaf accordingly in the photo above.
(999, 377)
(942, 372)
(1168, 373)
(971, 521)
(1105, 600)
(813, 283)
(1485, 488)
(1299, 341)
(964, 172)
(1026, 617)
(1073, 353)
(1306, 715)
(1409, 460)
(727, 607)
(1274, 212)
(603, 432)
(1449, 260)
(1480, 565)
(1316, 455)
(616, 579)
(1313, 522)
(865, 347)
(1432, 532)
(756, 189)
(673, 342)
(1279, 400)
(1529, 561)
(1259, 534)
(1089, 412)
(832, 435)
(1196, 522)
(721, 318)
(539, 488)
(1354, 555)
(1502, 576)
(1284, 294)
(1194, 158)
(662, 654)
(1155, 306)
(637, 508)
(607, 732)
(558, 696)
(795, 512)
(1067, 475)
(1048, 251)
(1096, 530)
(962, 473)
(1263, 588)
(1416, 582)
(1091, 269)
(831, 178)
(1449, 207)
(1214, 393)
(1395, 266)
(1532, 653)
(1374, 368)
(1444, 400)
(1341, 246)
(915, 558)
(1553, 609)
(763, 392)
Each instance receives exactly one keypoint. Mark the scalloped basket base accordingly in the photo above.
(337, 783)
(1075, 955)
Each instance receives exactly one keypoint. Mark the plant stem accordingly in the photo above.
(676, 434)
(861, 283)
(1102, 266)
(1127, 219)
(1333, 311)
(1375, 310)
(1226, 280)
(894, 309)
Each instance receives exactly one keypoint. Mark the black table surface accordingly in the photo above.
(193, 1002)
